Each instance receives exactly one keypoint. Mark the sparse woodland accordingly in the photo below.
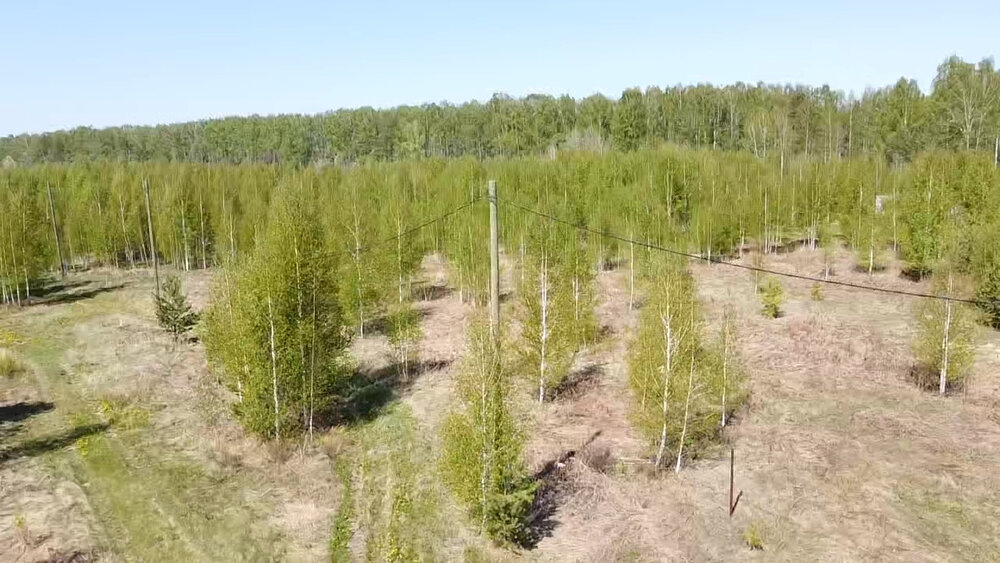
(306, 259)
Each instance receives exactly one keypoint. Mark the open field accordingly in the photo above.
(119, 443)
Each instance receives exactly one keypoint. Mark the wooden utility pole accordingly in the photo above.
(494, 263)
(55, 232)
(152, 238)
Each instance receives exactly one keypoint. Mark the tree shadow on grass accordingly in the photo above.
(57, 286)
(431, 292)
(579, 382)
(12, 416)
(380, 324)
(554, 486)
(17, 412)
(38, 446)
(72, 296)
(367, 392)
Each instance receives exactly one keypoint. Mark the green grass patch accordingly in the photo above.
(157, 508)
(394, 497)
(970, 527)
(152, 502)
(753, 535)
(122, 414)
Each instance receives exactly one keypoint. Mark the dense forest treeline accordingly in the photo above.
(962, 111)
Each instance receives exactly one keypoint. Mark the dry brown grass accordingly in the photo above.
(11, 365)
(839, 455)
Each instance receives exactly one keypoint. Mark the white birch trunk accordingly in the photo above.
(668, 366)
(274, 370)
(945, 345)
(543, 290)
(684, 428)
(725, 369)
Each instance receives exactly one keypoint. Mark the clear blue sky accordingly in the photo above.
(110, 63)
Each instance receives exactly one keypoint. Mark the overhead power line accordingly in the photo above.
(416, 228)
(426, 223)
(676, 252)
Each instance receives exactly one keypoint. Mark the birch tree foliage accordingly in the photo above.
(275, 329)
(677, 383)
(482, 460)
(549, 334)
(944, 345)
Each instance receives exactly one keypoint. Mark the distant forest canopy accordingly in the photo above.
(770, 121)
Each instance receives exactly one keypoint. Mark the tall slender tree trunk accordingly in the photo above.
(945, 344)
(312, 362)
(152, 236)
(725, 368)
(232, 321)
(128, 245)
(184, 237)
(201, 231)
(684, 427)
(55, 231)
(274, 369)
(668, 336)
(631, 274)
(543, 289)
(13, 269)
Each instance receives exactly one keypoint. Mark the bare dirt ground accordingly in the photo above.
(839, 456)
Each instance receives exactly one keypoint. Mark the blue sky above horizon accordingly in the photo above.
(111, 63)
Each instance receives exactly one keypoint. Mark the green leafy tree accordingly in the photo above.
(404, 332)
(681, 390)
(733, 384)
(661, 355)
(945, 340)
(275, 328)
(482, 461)
(629, 128)
(548, 327)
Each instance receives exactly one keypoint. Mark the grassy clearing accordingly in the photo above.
(152, 502)
(157, 508)
(967, 529)
(396, 508)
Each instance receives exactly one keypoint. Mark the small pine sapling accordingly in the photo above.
(772, 297)
(816, 293)
(173, 311)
